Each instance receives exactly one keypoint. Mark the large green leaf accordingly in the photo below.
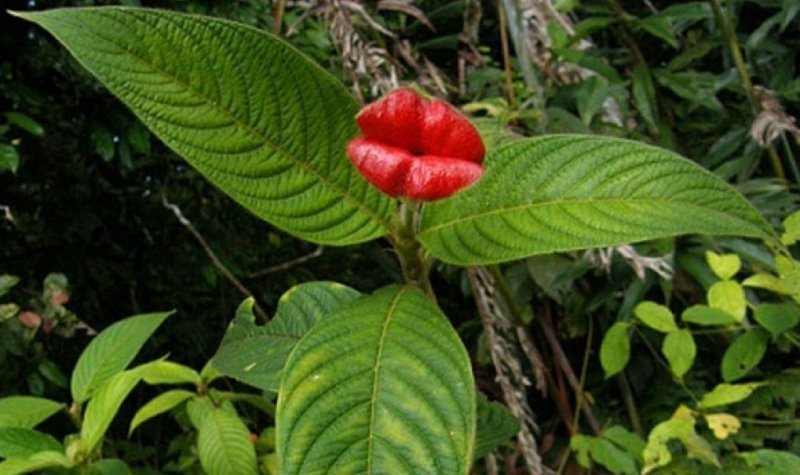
(111, 352)
(381, 386)
(251, 113)
(223, 441)
(566, 192)
(26, 411)
(256, 354)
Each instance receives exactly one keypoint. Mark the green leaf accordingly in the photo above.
(36, 462)
(728, 296)
(26, 411)
(644, 94)
(495, 425)
(681, 427)
(777, 318)
(659, 27)
(744, 354)
(680, 351)
(105, 403)
(615, 350)
(724, 266)
(159, 405)
(381, 386)
(791, 227)
(632, 443)
(223, 441)
(18, 442)
(168, 372)
(251, 113)
(567, 192)
(25, 123)
(655, 316)
(110, 467)
(7, 282)
(111, 352)
(724, 394)
(256, 355)
(772, 462)
(696, 87)
(9, 158)
(707, 316)
(603, 452)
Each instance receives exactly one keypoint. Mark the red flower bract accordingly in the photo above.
(416, 148)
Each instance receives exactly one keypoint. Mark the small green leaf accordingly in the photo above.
(36, 462)
(613, 191)
(744, 354)
(724, 394)
(659, 27)
(111, 352)
(707, 316)
(109, 467)
(724, 266)
(728, 296)
(256, 355)
(495, 425)
(603, 452)
(632, 443)
(9, 158)
(382, 385)
(168, 372)
(644, 94)
(680, 351)
(615, 350)
(791, 229)
(655, 316)
(223, 441)
(7, 282)
(18, 442)
(771, 462)
(26, 411)
(159, 405)
(25, 123)
(777, 317)
(104, 404)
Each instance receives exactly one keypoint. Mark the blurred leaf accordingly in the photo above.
(791, 229)
(707, 316)
(18, 442)
(659, 27)
(680, 350)
(655, 316)
(724, 266)
(777, 318)
(644, 94)
(26, 411)
(34, 463)
(9, 158)
(632, 443)
(109, 466)
(681, 427)
(603, 452)
(724, 394)
(699, 88)
(772, 462)
(7, 282)
(25, 123)
(744, 354)
(615, 350)
(495, 425)
(728, 296)
(723, 425)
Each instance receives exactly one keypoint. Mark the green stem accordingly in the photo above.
(414, 260)
(729, 33)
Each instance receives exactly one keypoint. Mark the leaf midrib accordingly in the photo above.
(375, 380)
(210, 103)
(529, 206)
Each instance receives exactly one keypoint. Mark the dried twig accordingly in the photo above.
(212, 255)
(286, 265)
(501, 333)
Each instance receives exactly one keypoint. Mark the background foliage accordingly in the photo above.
(89, 237)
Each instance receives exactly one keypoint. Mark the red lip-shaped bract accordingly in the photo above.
(416, 148)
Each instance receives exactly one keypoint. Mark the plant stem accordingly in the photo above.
(729, 33)
(414, 261)
(630, 404)
(501, 16)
